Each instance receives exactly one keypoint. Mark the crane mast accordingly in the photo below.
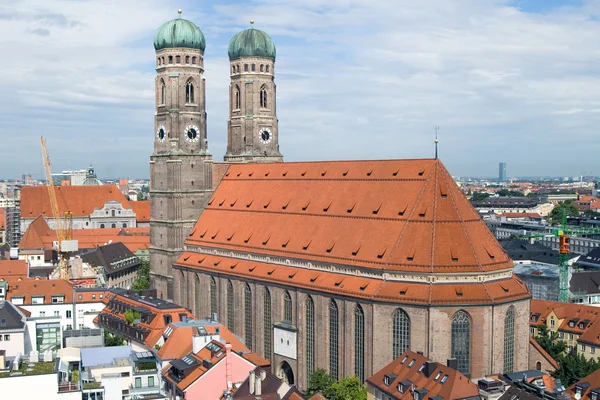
(63, 236)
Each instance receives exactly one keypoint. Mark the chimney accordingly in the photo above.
(263, 374)
(197, 344)
(430, 366)
(452, 363)
(251, 382)
(258, 389)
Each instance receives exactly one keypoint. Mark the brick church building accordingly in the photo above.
(338, 265)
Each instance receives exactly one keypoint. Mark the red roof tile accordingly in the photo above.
(405, 215)
(29, 288)
(141, 210)
(443, 381)
(11, 270)
(79, 200)
(593, 381)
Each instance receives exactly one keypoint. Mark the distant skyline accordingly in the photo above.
(512, 81)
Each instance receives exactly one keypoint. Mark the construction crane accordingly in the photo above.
(564, 240)
(63, 227)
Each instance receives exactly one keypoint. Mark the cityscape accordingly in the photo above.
(259, 261)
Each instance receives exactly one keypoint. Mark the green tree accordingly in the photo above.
(131, 316)
(574, 367)
(567, 207)
(550, 342)
(477, 196)
(111, 340)
(319, 382)
(509, 193)
(347, 389)
(142, 281)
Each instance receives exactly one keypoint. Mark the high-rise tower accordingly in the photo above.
(180, 167)
(252, 133)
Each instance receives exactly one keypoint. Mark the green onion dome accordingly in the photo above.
(179, 33)
(251, 43)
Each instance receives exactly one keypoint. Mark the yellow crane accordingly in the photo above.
(63, 228)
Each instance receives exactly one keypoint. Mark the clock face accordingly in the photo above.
(265, 135)
(161, 133)
(192, 134)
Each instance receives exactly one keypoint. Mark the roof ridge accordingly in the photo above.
(434, 221)
(468, 236)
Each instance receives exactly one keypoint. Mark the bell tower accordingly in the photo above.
(252, 132)
(181, 166)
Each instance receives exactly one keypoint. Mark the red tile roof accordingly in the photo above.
(141, 210)
(592, 381)
(156, 326)
(29, 288)
(405, 215)
(11, 270)
(361, 286)
(521, 215)
(79, 200)
(443, 381)
(39, 236)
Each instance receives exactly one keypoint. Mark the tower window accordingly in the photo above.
(233, 69)
(263, 97)
(245, 67)
(189, 93)
(158, 60)
(113, 225)
(238, 100)
(162, 60)
(267, 67)
(187, 59)
(253, 67)
(178, 59)
(237, 68)
(170, 59)
(163, 92)
(262, 68)
(194, 60)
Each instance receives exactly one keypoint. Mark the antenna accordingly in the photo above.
(436, 141)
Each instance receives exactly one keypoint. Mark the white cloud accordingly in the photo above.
(355, 79)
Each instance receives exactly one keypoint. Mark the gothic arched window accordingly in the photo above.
(509, 340)
(245, 67)
(253, 67)
(333, 340)
(213, 296)
(238, 97)
(230, 305)
(237, 69)
(101, 226)
(310, 336)
(268, 324)
(359, 343)
(163, 92)
(196, 294)
(262, 67)
(194, 60)
(287, 307)
(170, 59)
(189, 92)
(248, 316)
(113, 225)
(267, 67)
(178, 59)
(187, 59)
(461, 341)
(401, 333)
(263, 97)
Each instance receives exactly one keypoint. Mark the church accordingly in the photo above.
(340, 265)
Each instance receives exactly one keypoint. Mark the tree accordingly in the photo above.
(319, 382)
(347, 389)
(142, 282)
(478, 196)
(550, 342)
(574, 367)
(131, 316)
(111, 340)
(564, 207)
(509, 193)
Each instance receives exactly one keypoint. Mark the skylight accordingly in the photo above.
(188, 360)
(444, 379)
(412, 362)
(404, 359)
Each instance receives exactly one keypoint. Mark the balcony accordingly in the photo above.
(144, 389)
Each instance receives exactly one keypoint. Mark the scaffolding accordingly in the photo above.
(13, 219)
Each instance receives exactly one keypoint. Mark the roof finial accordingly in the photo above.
(251, 23)
(179, 12)
(436, 141)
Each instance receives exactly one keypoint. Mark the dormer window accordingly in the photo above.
(571, 324)
(581, 325)
(594, 396)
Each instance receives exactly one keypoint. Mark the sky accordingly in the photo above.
(515, 81)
